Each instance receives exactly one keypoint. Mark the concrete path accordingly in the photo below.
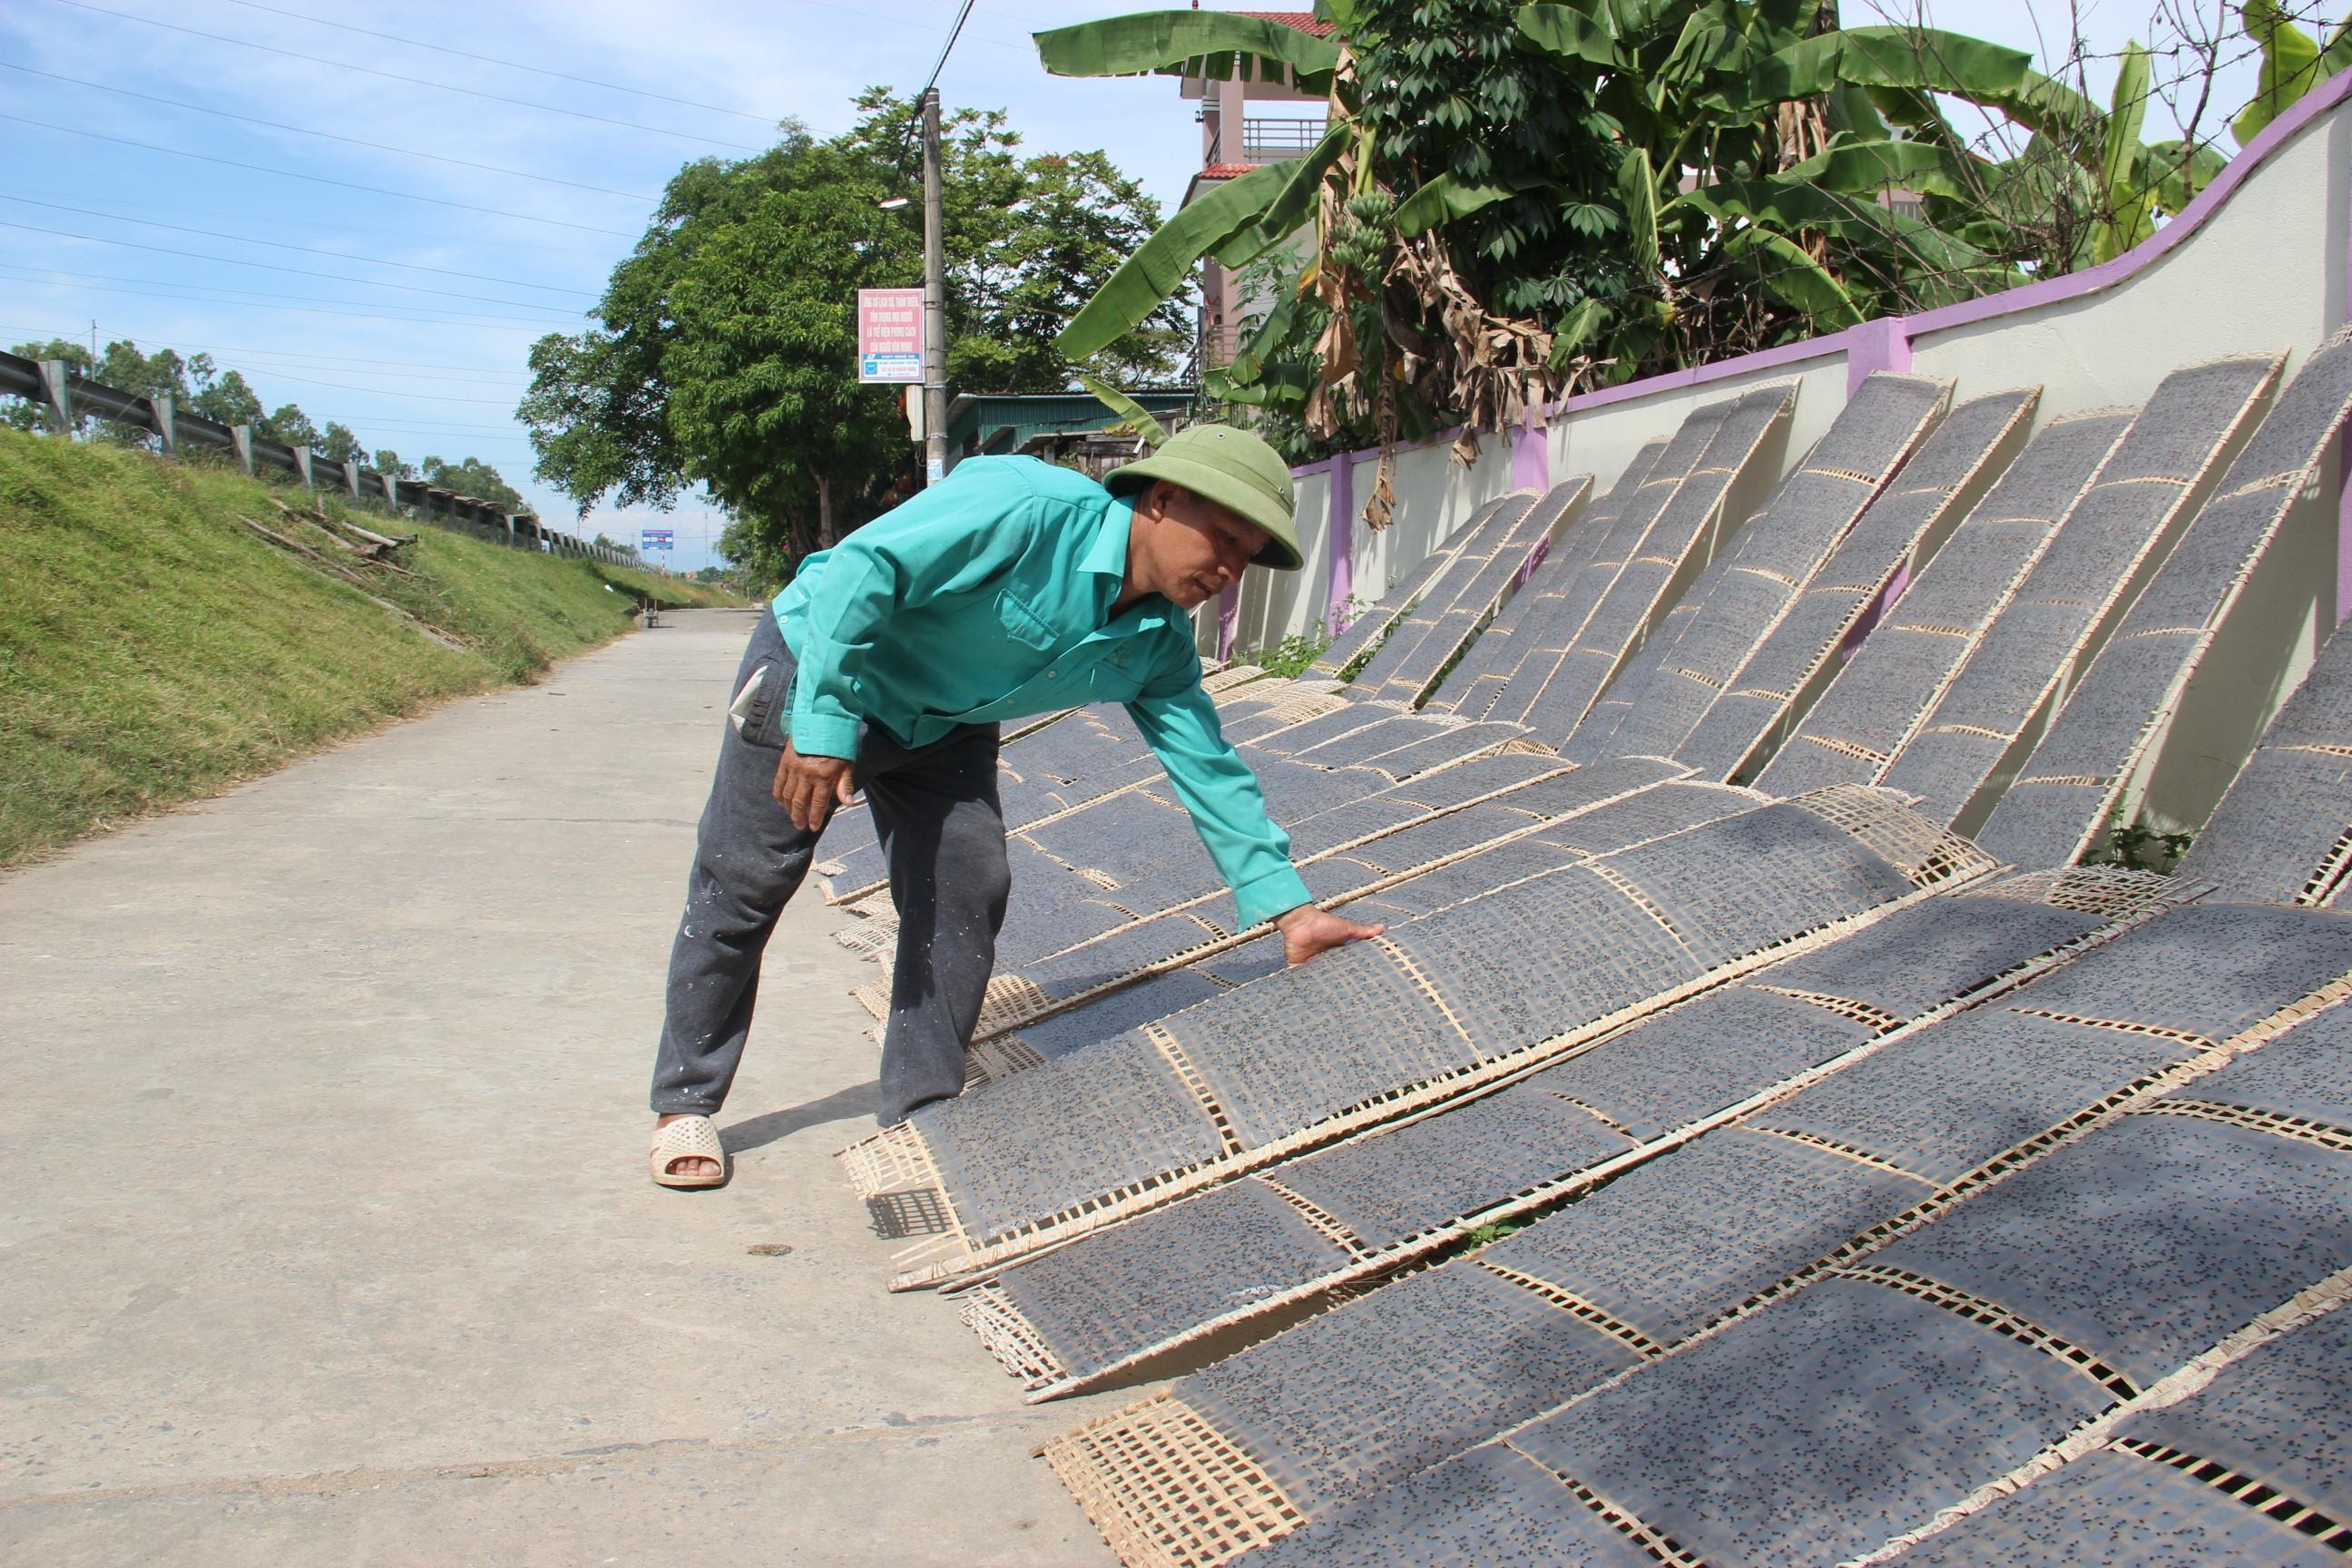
(327, 1238)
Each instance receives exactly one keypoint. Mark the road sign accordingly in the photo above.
(890, 334)
(657, 538)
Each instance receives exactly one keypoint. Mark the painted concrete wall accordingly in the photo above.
(2260, 262)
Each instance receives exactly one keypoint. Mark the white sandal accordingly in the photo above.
(688, 1138)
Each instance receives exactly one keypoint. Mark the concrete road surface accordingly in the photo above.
(327, 1238)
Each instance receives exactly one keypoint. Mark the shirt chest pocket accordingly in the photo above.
(1114, 683)
(1024, 625)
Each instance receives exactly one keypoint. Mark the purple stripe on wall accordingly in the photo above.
(1530, 457)
(1883, 345)
(1341, 523)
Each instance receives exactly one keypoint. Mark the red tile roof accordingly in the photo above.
(1305, 21)
(1226, 170)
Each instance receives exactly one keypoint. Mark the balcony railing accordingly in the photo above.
(1267, 141)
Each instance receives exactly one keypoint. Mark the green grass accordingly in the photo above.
(1288, 659)
(154, 649)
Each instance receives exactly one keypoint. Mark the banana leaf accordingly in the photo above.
(1131, 414)
(2339, 53)
(1442, 200)
(1927, 59)
(1251, 361)
(2176, 172)
(2291, 66)
(1285, 385)
(1790, 209)
(1637, 184)
(1585, 322)
(1162, 264)
(1577, 33)
(1292, 205)
(1190, 43)
(1795, 278)
(1858, 166)
(2124, 164)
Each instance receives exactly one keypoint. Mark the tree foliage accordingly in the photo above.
(472, 477)
(724, 351)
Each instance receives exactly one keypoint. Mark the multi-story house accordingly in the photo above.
(1233, 142)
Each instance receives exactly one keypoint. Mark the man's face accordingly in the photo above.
(1197, 549)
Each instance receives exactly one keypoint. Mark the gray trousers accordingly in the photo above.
(942, 833)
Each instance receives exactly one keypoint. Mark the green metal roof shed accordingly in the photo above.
(990, 423)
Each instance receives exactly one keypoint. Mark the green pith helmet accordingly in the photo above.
(1234, 469)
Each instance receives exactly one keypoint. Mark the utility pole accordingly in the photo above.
(935, 302)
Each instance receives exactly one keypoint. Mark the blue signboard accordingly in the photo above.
(657, 538)
(890, 368)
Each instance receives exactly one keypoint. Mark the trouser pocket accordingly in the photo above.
(761, 709)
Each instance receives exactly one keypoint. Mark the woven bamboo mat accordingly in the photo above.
(1671, 549)
(1899, 534)
(1385, 1028)
(2082, 776)
(1682, 666)
(1832, 1184)
(1898, 674)
(1962, 754)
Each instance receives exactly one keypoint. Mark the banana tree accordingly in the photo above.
(1513, 199)
(2294, 62)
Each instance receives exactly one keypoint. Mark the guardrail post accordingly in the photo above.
(61, 401)
(390, 490)
(302, 467)
(352, 477)
(164, 416)
(241, 437)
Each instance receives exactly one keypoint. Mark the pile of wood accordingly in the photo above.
(342, 549)
(334, 545)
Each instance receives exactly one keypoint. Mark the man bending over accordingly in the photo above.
(1012, 588)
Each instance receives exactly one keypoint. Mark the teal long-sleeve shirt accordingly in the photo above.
(988, 598)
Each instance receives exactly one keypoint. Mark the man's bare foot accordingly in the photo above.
(689, 1166)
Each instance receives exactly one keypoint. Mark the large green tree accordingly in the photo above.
(724, 351)
(472, 477)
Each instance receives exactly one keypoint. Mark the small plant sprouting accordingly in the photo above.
(2142, 849)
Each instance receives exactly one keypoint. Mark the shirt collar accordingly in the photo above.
(1106, 555)
(1105, 559)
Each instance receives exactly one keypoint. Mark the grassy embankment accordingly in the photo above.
(153, 648)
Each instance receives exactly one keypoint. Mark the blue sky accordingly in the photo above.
(484, 189)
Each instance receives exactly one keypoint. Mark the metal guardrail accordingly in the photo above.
(53, 384)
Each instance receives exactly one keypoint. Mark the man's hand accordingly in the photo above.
(1307, 931)
(808, 788)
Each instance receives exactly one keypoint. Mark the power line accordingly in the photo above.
(389, 390)
(134, 334)
(412, 427)
(81, 281)
(328, 135)
(937, 66)
(316, 179)
(305, 249)
(511, 65)
(273, 267)
(416, 80)
(946, 49)
(117, 209)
